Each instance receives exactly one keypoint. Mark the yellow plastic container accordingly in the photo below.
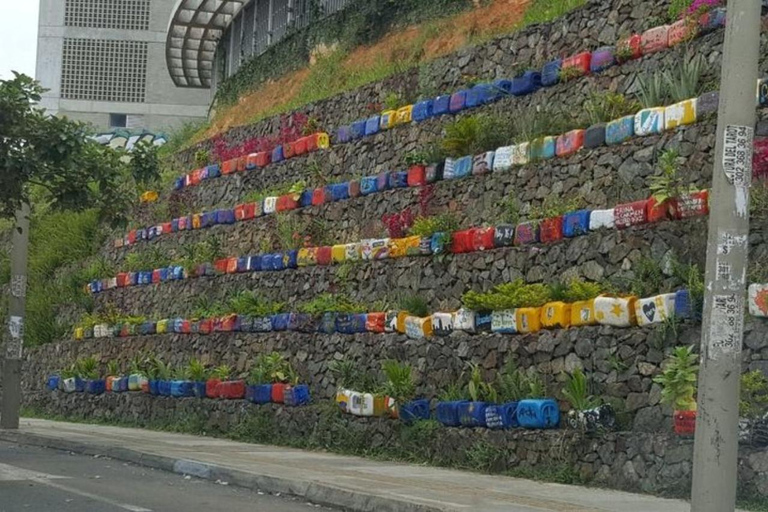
(615, 311)
(528, 320)
(342, 399)
(162, 326)
(79, 333)
(150, 196)
(401, 317)
(398, 247)
(307, 257)
(387, 119)
(417, 328)
(583, 313)
(404, 114)
(555, 314)
(352, 252)
(197, 220)
(323, 140)
(339, 253)
(380, 405)
(680, 114)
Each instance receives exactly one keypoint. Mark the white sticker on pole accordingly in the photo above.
(726, 325)
(16, 329)
(737, 155)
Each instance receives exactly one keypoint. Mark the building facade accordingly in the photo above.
(104, 62)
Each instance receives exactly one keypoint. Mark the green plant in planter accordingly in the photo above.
(512, 295)
(685, 82)
(222, 372)
(346, 373)
(202, 157)
(163, 370)
(570, 73)
(330, 303)
(70, 372)
(196, 371)
(454, 392)
(753, 402)
(260, 372)
(416, 305)
(608, 106)
(511, 383)
(669, 184)
(478, 389)
(400, 384)
(576, 391)
(392, 101)
(678, 380)
(113, 369)
(426, 226)
(136, 366)
(536, 386)
(653, 90)
(87, 368)
(578, 290)
(250, 304)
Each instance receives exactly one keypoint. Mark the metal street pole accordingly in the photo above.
(11, 403)
(716, 442)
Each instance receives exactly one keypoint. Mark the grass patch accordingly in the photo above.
(542, 11)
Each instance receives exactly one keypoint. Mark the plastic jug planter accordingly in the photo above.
(556, 315)
(417, 176)
(758, 299)
(68, 385)
(654, 310)
(212, 388)
(397, 179)
(503, 235)
(630, 214)
(550, 73)
(447, 413)
(462, 241)
(657, 212)
(680, 114)
(479, 95)
(527, 233)
(377, 249)
(259, 394)
(295, 396)
(441, 105)
(577, 65)
(583, 313)
(422, 110)
(278, 392)
(280, 321)
(615, 311)
(502, 160)
(712, 20)
(602, 59)
(594, 136)
(541, 413)
(232, 390)
(418, 328)
(440, 243)
(134, 382)
(576, 223)
(649, 121)
(482, 238)
(52, 383)
(685, 423)
(154, 387)
(374, 322)
(521, 154)
(458, 101)
(602, 219)
(598, 419)
(442, 324)
(182, 389)
(372, 125)
(619, 130)
(504, 322)
(543, 148)
(464, 320)
(471, 414)
(655, 39)
(324, 255)
(681, 31)
(528, 320)
(528, 83)
(387, 119)
(551, 230)
(413, 411)
(482, 163)
(404, 115)
(569, 143)
(351, 323)
(95, 387)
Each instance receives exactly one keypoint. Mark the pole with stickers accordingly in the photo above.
(716, 438)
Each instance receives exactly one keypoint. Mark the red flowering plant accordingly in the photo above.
(760, 159)
(398, 224)
(291, 128)
(699, 7)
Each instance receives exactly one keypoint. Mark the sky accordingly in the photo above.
(18, 37)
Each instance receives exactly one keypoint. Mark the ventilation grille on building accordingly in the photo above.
(104, 70)
(117, 14)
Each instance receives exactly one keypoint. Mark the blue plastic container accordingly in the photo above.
(540, 413)
(259, 394)
(448, 413)
(296, 395)
(53, 382)
(280, 321)
(397, 179)
(152, 233)
(576, 223)
(422, 110)
(147, 328)
(79, 385)
(357, 130)
(214, 171)
(382, 181)
(291, 259)
(550, 73)
(141, 234)
(174, 225)
(479, 95)
(208, 219)
(305, 200)
(198, 389)
(95, 387)
(278, 261)
(493, 419)
(483, 321)
(528, 83)
(441, 105)
(414, 411)
(543, 149)
(328, 323)
(164, 387)
(372, 125)
(262, 324)
(368, 185)
(602, 59)
(458, 101)
(122, 387)
(337, 191)
(255, 263)
(509, 415)
(462, 167)
(351, 323)
(225, 216)
(302, 322)
(277, 154)
(242, 264)
(344, 134)
(504, 86)
(182, 389)
(145, 277)
(153, 390)
(178, 184)
(620, 130)
(164, 274)
(472, 414)
(439, 242)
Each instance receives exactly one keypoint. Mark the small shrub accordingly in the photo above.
(608, 106)
(653, 90)
(678, 380)
(426, 226)
(685, 81)
(400, 385)
(251, 304)
(330, 303)
(753, 402)
(415, 305)
(670, 183)
(508, 296)
(576, 391)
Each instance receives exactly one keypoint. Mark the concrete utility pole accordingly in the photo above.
(716, 442)
(9, 408)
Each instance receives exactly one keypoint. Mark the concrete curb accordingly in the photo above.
(314, 492)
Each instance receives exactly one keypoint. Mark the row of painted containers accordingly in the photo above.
(280, 393)
(645, 122)
(584, 63)
(548, 230)
(603, 310)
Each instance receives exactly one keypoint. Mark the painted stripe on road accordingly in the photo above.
(95, 497)
(10, 473)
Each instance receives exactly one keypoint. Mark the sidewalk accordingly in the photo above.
(347, 482)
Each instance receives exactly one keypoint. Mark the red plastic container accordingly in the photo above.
(221, 265)
(569, 143)
(551, 230)
(167, 227)
(318, 196)
(300, 146)
(681, 31)
(287, 202)
(232, 390)
(374, 322)
(417, 176)
(695, 204)
(197, 176)
(186, 327)
(212, 388)
(252, 160)
(205, 326)
(629, 48)
(324, 255)
(655, 39)
(245, 211)
(132, 236)
(229, 166)
(354, 188)
(482, 238)
(685, 423)
(278, 393)
(580, 61)
(228, 323)
(231, 265)
(263, 158)
(289, 150)
(122, 279)
(156, 276)
(241, 163)
(657, 212)
(462, 241)
(312, 142)
(630, 214)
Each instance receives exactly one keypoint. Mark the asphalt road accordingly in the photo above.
(40, 480)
